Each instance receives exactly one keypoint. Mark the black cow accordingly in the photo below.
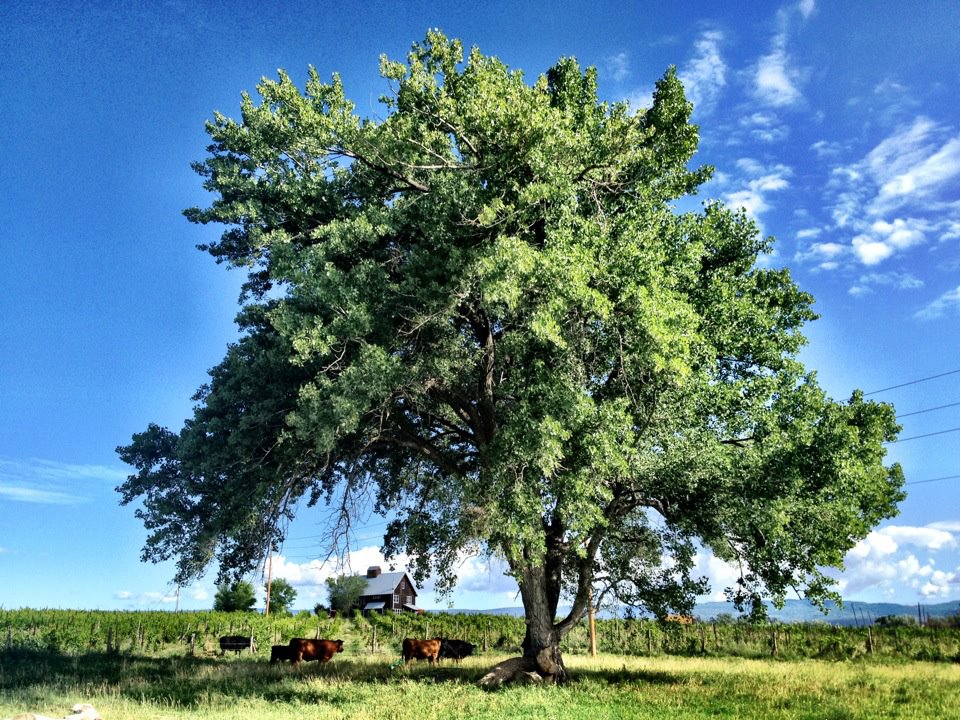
(455, 649)
(237, 643)
(280, 653)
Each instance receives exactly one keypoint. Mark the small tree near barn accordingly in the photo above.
(238, 596)
(282, 596)
(484, 312)
(344, 592)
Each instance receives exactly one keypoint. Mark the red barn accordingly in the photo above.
(388, 591)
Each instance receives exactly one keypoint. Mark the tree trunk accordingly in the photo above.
(541, 644)
(540, 581)
(541, 661)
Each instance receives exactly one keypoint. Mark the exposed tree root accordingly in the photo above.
(546, 667)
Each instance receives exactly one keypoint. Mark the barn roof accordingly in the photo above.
(385, 584)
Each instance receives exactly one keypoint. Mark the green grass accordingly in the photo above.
(135, 687)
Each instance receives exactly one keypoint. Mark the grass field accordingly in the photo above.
(129, 687)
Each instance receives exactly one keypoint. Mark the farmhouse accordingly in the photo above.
(388, 591)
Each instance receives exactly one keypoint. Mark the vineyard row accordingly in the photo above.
(158, 632)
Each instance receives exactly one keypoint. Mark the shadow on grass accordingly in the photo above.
(190, 681)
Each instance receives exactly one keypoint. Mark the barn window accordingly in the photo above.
(396, 599)
(409, 599)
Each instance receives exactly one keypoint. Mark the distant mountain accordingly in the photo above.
(793, 611)
(852, 613)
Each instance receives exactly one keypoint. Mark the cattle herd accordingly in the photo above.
(299, 650)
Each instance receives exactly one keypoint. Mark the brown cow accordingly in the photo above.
(679, 619)
(421, 650)
(303, 649)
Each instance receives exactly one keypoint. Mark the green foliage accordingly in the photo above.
(236, 597)
(344, 592)
(282, 596)
(485, 312)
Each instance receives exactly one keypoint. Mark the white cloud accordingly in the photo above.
(887, 562)
(951, 526)
(776, 78)
(883, 239)
(640, 98)
(900, 194)
(765, 127)
(900, 281)
(49, 482)
(916, 165)
(950, 230)
(910, 167)
(38, 497)
(705, 76)
(940, 584)
(880, 564)
(482, 582)
(807, 8)
(825, 149)
(618, 66)
(719, 573)
(755, 187)
(901, 233)
(930, 538)
(315, 572)
(949, 301)
(146, 599)
(871, 251)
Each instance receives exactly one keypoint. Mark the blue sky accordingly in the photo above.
(836, 125)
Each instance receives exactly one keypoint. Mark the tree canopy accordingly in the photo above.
(238, 596)
(486, 312)
(344, 592)
(282, 596)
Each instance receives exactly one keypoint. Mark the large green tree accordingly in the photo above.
(486, 311)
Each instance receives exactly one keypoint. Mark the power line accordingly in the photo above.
(926, 410)
(913, 382)
(925, 435)
(936, 479)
